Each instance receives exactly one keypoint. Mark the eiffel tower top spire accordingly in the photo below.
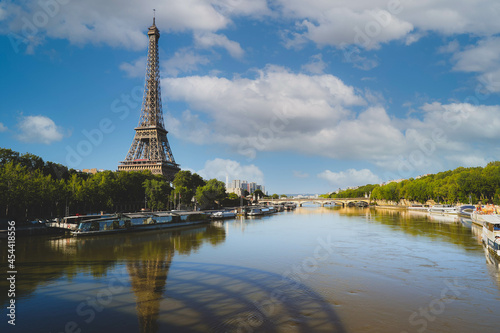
(151, 112)
(150, 149)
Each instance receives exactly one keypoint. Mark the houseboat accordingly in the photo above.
(491, 234)
(132, 222)
(466, 210)
(443, 209)
(227, 214)
(416, 207)
(256, 211)
(71, 223)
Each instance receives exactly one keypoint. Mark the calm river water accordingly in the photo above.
(311, 270)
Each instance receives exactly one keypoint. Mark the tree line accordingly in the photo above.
(32, 188)
(461, 185)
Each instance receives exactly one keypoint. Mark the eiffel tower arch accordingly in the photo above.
(150, 149)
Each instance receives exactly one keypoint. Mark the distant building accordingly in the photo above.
(240, 186)
(236, 190)
(92, 171)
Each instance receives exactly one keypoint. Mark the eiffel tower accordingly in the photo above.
(150, 149)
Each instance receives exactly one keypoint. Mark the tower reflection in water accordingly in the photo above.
(204, 297)
(148, 277)
(164, 281)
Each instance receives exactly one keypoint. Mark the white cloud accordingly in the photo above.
(219, 168)
(3, 128)
(183, 61)
(316, 65)
(209, 40)
(39, 129)
(319, 115)
(279, 111)
(366, 23)
(483, 58)
(124, 23)
(256, 8)
(199, 132)
(413, 38)
(451, 47)
(479, 58)
(135, 69)
(334, 23)
(350, 177)
(369, 23)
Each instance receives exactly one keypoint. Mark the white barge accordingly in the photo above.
(444, 209)
(491, 232)
(133, 222)
(227, 214)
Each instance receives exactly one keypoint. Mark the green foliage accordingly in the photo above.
(233, 200)
(212, 194)
(357, 193)
(185, 184)
(462, 185)
(258, 193)
(157, 192)
(233, 196)
(31, 188)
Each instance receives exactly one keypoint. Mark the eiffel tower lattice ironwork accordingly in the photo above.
(150, 149)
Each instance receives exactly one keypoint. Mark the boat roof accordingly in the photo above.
(142, 214)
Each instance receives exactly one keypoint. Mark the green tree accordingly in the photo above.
(212, 194)
(186, 184)
(258, 193)
(157, 193)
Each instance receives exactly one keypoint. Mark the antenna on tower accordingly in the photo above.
(154, 12)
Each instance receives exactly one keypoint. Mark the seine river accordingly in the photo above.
(311, 270)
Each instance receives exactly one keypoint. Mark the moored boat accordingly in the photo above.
(466, 210)
(224, 215)
(255, 212)
(491, 234)
(71, 223)
(443, 209)
(480, 218)
(132, 222)
(418, 208)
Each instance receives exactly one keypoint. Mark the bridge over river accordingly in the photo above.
(319, 201)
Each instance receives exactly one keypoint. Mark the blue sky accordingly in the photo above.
(301, 96)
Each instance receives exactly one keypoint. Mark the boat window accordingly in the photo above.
(84, 226)
(164, 219)
(106, 225)
(137, 221)
(94, 226)
(496, 227)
